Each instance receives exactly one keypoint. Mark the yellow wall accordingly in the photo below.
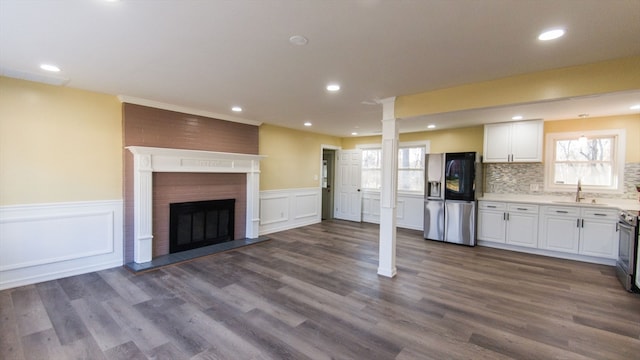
(629, 122)
(450, 140)
(58, 144)
(597, 78)
(293, 157)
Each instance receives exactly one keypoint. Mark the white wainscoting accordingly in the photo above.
(289, 208)
(409, 213)
(43, 242)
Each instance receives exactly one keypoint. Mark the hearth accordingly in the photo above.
(200, 223)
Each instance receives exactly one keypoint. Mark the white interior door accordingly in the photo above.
(348, 199)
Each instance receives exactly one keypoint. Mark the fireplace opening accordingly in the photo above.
(200, 223)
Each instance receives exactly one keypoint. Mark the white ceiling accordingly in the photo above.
(212, 55)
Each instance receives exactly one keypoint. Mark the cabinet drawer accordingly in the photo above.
(562, 210)
(490, 205)
(604, 214)
(523, 208)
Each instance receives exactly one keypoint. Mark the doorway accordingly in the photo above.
(328, 179)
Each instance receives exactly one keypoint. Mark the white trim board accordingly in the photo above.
(289, 208)
(42, 242)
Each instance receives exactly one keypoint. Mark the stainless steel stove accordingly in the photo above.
(628, 249)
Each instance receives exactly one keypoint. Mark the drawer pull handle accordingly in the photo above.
(491, 206)
(522, 209)
(562, 212)
(596, 214)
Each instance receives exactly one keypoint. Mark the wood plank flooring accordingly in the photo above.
(313, 293)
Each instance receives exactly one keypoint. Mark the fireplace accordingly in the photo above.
(200, 223)
(149, 160)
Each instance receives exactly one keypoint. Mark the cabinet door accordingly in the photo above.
(599, 238)
(497, 142)
(522, 229)
(491, 226)
(560, 234)
(526, 141)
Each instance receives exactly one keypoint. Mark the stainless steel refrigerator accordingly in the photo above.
(450, 197)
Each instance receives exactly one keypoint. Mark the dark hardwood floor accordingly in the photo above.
(313, 292)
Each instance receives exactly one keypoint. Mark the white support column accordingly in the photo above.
(143, 208)
(253, 196)
(388, 192)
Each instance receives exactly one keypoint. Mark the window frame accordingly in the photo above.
(408, 144)
(617, 162)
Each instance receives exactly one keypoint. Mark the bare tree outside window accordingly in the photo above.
(588, 160)
(410, 169)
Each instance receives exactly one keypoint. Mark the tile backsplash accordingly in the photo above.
(517, 179)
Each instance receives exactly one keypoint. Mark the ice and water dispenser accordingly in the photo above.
(435, 169)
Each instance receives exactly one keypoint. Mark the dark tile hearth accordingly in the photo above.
(178, 257)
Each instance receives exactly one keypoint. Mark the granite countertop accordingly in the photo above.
(622, 204)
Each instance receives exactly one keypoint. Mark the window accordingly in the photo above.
(410, 168)
(595, 158)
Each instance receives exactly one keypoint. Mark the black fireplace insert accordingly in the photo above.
(200, 223)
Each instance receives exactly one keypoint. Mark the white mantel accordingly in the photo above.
(147, 160)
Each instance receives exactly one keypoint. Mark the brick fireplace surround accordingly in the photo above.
(178, 157)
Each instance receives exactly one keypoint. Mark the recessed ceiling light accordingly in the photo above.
(298, 40)
(431, 126)
(517, 117)
(307, 123)
(354, 133)
(333, 87)
(49, 67)
(236, 108)
(635, 107)
(551, 34)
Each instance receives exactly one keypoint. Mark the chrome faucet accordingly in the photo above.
(579, 192)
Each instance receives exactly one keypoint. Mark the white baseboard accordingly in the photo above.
(289, 208)
(42, 242)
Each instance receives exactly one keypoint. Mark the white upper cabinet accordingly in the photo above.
(513, 141)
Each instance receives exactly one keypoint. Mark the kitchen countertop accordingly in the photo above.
(621, 204)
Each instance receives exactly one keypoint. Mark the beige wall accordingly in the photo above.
(631, 123)
(597, 78)
(58, 144)
(471, 138)
(450, 140)
(293, 157)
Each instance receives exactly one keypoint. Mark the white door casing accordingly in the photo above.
(348, 200)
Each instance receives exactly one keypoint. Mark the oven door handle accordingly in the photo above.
(624, 226)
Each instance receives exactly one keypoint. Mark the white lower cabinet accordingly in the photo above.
(560, 229)
(579, 230)
(513, 223)
(598, 233)
(491, 219)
